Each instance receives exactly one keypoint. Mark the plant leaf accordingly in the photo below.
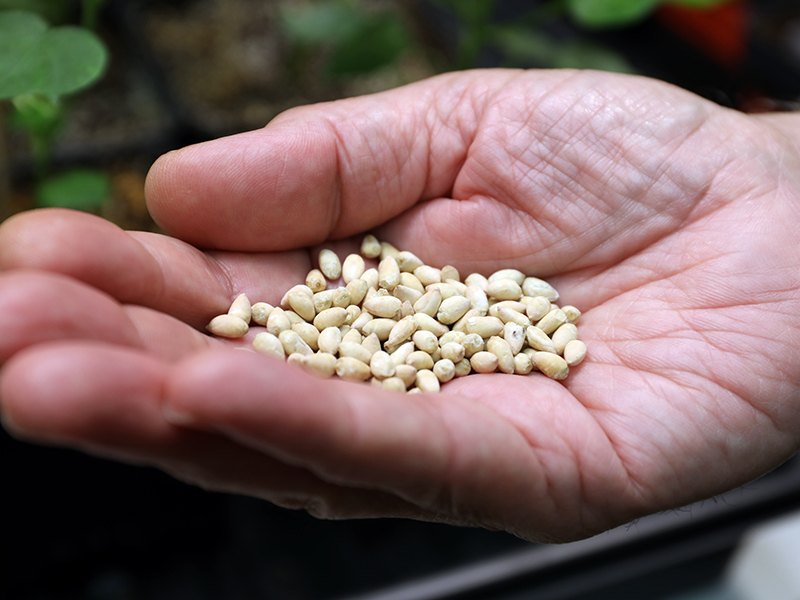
(330, 21)
(609, 13)
(36, 59)
(378, 43)
(80, 189)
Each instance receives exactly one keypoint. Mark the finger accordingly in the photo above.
(106, 400)
(152, 270)
(327, 170)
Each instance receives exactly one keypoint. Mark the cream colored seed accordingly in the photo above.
(407, 261)
(504, 289)
(410, 280)
(406, 294)
(429, 303)
(340, 297)
(500, 348)
(330, 317)
(408, 373)
(329, 264)
(352, 336)
(513, 274)
(301, 288)
(371, 277)
(278, 321)
(371, 343)
(485, 327)
(315, 280)
(552, 321)
(380, 327)
(477, 279)
(308, 333)
(388, 273)
(564, 335)
(329, 340)
(420, 359)
(483, 362)
(428, 275)
(406, 310)
(494, 309)
(427, 381)
(320, 364)
(323, 300)
(240, 307)
(383, 306)
(452, 336)
(370, 246)
(425, 341)
(446, 289)
(573, 314)
(508, 315)
(449, 272)
(574, 352)
(293, 343)
(414, 390)
(260, 313)
(352, 369)
(452, 309)
(293, 317)
(401, 332)
(381, 365)
(357, 290)
(444, 369)
(452, 351)
(550, 364)
(472, 343)
(387, 250)
(428, 323)
(353, 350)
(533, 286)
(362, 320)
(537, 308)
(514, 334)
(302, 304)
(353, 312)
(522, 364)
(477, 298)
(352, 268)
(296, 359)
(539, 340)
(394, 383)
(459, 287)
(463, 367)
(269, 345)
(400, 355)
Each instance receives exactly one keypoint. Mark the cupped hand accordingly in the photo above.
(669, 221)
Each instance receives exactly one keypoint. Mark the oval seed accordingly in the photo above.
(533, 286)
(410, 280)
(329, 264)
(329, 340)
(429, 303)
(380, 327)
(564, 335)
(382, 306)
(407, 261)
(323, 300)
(444, 369)
(340, 297)
(574, 352)
(352, 268)
(371, 277)
(477, 298)
(400, 355)
(353, 312)
(452, 309)
(278, 321)
(537, 307)
(370, 246)
(452, 351)
(357, 290)
(330, 317)
(302, 304)
(485, 327)
(550, 364)
(387, 250)
(472, 343)
(269, 345)
(483, 362)
(361, 321)
(463, 367)
(381, 365)
(315, 280)
(552, 321)
(372, 344)
(240, 307)
(428, 275)
(513, 274)
(352, 369)
(320, 364)
(296, 359)
(394, 383)
(400, 333)
(351, 336)
(477, 279)
(504, 289)
(500, 348)
(308, 333)
(388, 273)
(425, 341)
(406, 294)
(428, 323)
(508, 315)
(514, 334)
(260, 312)
(293, 343)
(420, 359)
(573, 314)
(408, 373)
(538, 339)
(522, 364)
(450, 272)
(427, 381)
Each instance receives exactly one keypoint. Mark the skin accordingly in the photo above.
(669, 221)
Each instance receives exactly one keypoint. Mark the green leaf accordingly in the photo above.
(323, 22)
(36, 59)
(609, 13)
(378, 43)
(81, 189)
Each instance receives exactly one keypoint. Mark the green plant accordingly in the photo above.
(40, 66)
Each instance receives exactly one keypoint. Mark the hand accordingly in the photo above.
(669, 221)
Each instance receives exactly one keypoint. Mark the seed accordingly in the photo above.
(296, 359)
(537, 308)
(428, 275)
(447, 290)
(323, 300)
(388, 273)
(278, 321)
(329, 264)
(452, 309)
(388, 250)
(381, 365)
(315, 280)
(371, 344)
(538, 339)
(477, 279)
(522, 364)
(269, 345)
(352, 267)
(353, 312)
(354, 350)
(550, 364)
(407, 373)
(428, 323)
(330, 317)
(351, 336)
(406, 294)
(508, 315)
(425, 341)
(302, 304)
(293, 343)
(383, 306)
(429, 303)
(260, 313)
(463, 367)
(485, 327)
(380, 327)
(513, 274)
(514, 334)
(308, 333)
(371, 277)
(293, 317)
(574, 352)
(500, 348)
(370, 246)
(427, 381)
(472, 343)
(410, 280)
(494, 309)
(340, 297)
(241, 308)
(357, 289)
(352, 369)
(400, 333)
(452, 351)
(564, 335)
(483, 362)
(573, 314)
(394, 383)
(477, 298)
(444, 370)
(449, 272)
(400, 355)
(407, 261)
(320, 364)
(552, 321)
(504, 289)
(533, 286)
(329, 340)
(362, 320)
(420, 360)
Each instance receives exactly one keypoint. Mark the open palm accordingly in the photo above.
(670, 222)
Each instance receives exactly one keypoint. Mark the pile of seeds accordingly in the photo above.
(407, 326)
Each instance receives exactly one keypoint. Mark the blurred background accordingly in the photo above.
(133, 79)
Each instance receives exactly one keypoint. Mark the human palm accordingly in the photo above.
(670, 222)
